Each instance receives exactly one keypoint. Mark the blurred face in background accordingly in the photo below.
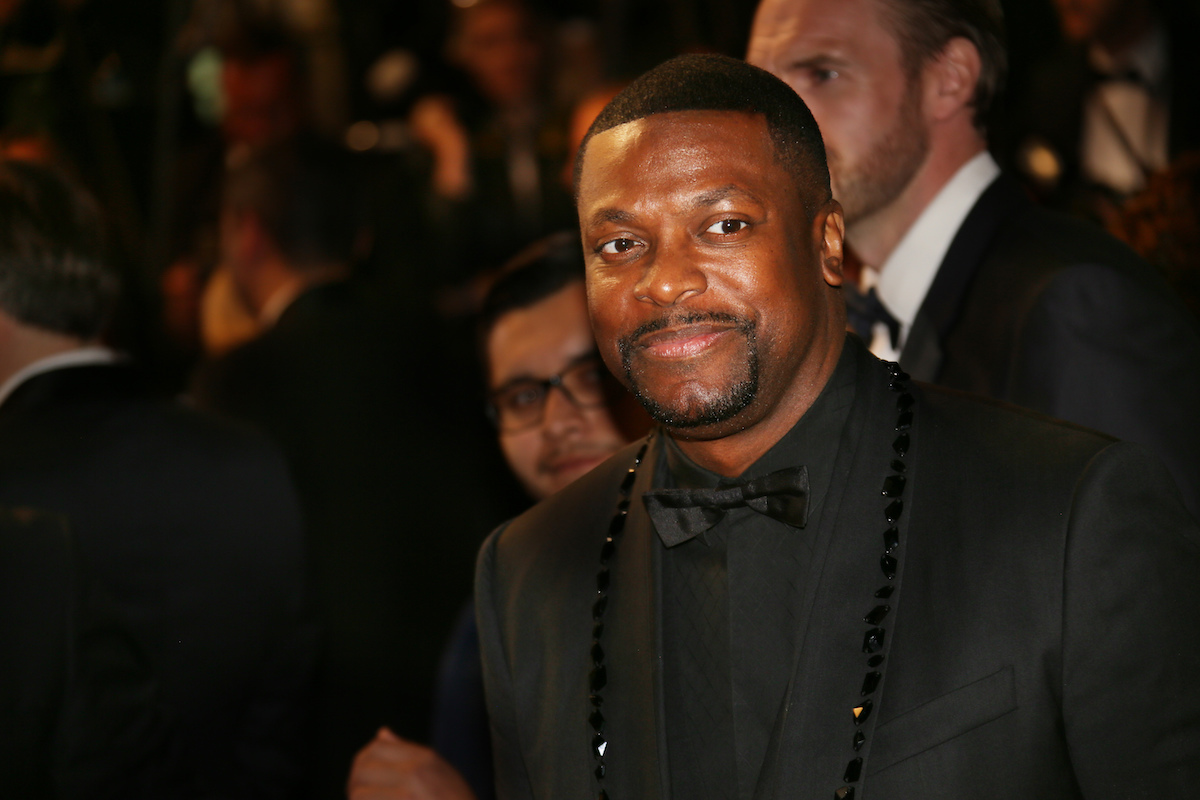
(262, 104)
(574, 433)
(844, 60)
(497, 45)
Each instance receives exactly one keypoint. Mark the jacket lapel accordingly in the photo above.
(922, 355)
(818, 746)
(637, 745)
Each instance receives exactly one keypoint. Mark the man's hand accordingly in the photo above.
(391, 768)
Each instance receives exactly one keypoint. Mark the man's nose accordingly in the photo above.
(561, 412)
(671, 276)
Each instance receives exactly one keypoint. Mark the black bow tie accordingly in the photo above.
(680, 514)
(864, 310)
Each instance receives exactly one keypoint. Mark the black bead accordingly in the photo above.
(844, 793)
(597, 653)
(597, 630)
(598, 607)
(904, 421)
(903, 376)
(892, 367)
(862, 712)
(885, 592)
(602, 579)
(596, 699)
(603, 795)
(893, 486)
(607, 550)
(623, 507)
(892, 512)
(600, 771)
(870, 683)
(904, 402)
(898, 465)
(873, 617)
(873, 640)
(853, 771)
(874, 661)
(901, 445)
(891, 540)
(627, 481)
(598, 678)
(860, 739)
(616, 526)
(597, 720)
(888, 564)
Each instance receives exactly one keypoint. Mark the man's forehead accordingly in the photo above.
(672, 134)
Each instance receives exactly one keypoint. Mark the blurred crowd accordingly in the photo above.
(305, 204)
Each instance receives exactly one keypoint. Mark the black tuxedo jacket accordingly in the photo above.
(1037, 641)
(78, 709)
(354, 396)
(193, 527)
(1048, 312)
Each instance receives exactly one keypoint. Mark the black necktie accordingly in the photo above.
(864, 310)
(680, 514)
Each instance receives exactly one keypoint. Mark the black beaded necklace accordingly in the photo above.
(873, 638)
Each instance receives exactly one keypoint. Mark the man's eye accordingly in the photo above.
(522, 396)
(617, 246)
(819, 75)
(726, 227)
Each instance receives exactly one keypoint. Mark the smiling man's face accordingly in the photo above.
(704, 280)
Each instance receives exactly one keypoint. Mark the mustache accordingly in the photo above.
(626, 343)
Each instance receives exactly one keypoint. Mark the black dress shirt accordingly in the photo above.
(731, 609)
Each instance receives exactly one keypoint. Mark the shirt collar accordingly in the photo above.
(79, 357)
(813, 439)
(904, 279)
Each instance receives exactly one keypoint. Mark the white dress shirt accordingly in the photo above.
(904, 279)
(82, 356)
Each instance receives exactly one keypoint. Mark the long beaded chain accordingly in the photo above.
(873, 638)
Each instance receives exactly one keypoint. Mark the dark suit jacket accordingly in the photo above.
(1036, 644)
(193, 527)
(1048, 312)
(78, 706)
(356, 398)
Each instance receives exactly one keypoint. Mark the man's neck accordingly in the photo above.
(876, 236)
(732, 454)
(22, 345)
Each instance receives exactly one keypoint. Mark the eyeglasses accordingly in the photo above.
(521, 403)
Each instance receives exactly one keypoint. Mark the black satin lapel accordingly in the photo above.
(633, 698)
(922, 354)
(813, 749)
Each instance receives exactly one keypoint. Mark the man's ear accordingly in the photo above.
(950, 78)
(829, 230)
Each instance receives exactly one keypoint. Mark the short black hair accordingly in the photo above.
(720, 83)
(53, 271)
(537, 272)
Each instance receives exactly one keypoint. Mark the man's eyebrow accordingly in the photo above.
(610, 215)
(529, 377)
(715, 196)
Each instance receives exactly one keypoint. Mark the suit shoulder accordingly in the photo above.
(990, 431)
(564, 524)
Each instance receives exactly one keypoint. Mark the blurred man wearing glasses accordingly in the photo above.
(558, 413)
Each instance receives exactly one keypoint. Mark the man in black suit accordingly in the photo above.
(81, 717)
(355, 394)
(820, 578)
(968, 284)
(190, 523)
